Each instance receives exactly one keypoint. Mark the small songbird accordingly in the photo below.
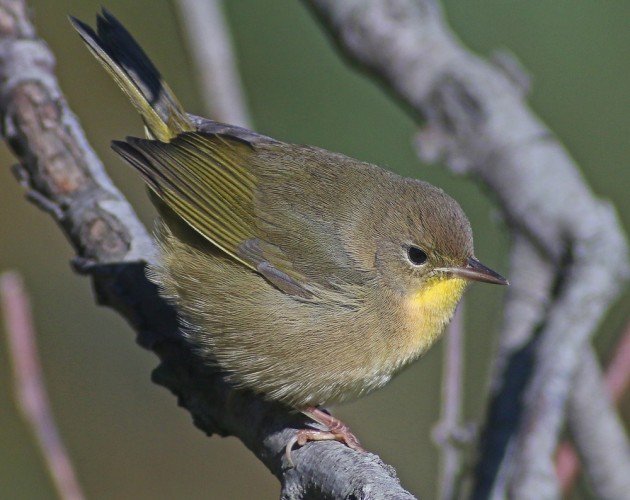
(309, 277)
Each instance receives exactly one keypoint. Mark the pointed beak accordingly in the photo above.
(476, 271)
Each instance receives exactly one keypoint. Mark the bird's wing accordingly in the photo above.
(258, 202)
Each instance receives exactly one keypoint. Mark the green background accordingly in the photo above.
(127, 436)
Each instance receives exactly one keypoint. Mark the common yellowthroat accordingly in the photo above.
(309, 277)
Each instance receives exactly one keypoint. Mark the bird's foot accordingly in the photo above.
(337, 431)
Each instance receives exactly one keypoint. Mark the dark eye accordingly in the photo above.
(416, 256)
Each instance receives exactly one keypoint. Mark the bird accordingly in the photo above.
(309, 277)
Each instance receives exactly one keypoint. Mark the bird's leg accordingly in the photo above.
(337, 431)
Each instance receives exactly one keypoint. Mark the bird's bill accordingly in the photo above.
(476, 271)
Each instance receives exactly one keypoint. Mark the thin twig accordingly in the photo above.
(615, 384)
(598, 432)
(209, 43)
(531, 276)
(618, 371)
(448, 432)
(29, 388)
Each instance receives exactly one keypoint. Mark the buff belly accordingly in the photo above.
(301, 354)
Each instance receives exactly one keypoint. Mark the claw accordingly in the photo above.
(338, 431)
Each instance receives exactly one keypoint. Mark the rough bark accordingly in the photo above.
(63, 175)
(476, 121)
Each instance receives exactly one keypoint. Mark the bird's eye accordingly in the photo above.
(416, 256)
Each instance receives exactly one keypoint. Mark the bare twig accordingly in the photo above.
(528, 297)
(596, 428)
(532, 275)
(209, 43)
(598, 432)
(618, 371)
(57, 163)
(476, 121)
(448, 434)
(30, 392)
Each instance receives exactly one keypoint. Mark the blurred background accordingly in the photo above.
(127, 437)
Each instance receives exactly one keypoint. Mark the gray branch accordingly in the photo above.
(29, 388)
(596, 426)
(526, 306)
(476, 121)
(449, 433)
(598, 432)
(63, 175)
(209, 43)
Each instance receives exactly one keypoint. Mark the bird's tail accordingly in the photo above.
(122, 57)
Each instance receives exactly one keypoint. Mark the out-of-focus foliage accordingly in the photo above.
(126, 435)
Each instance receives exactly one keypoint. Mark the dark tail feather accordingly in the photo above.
(123, 58)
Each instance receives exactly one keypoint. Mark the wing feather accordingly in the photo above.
(203, 179)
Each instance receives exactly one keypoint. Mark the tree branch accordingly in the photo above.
(596, 428)
(60, 170)
(476, 121)
(209, 43)
(29, 388)
(598, 432)
(449, 433)
(527, 302)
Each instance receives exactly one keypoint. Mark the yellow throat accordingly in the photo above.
(431, 308)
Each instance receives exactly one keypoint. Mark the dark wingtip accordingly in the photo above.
(116, 144)
(110, 18)
(123, 148)
(79, 25)
(128, 144)
(135, 141)
(106, 15)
